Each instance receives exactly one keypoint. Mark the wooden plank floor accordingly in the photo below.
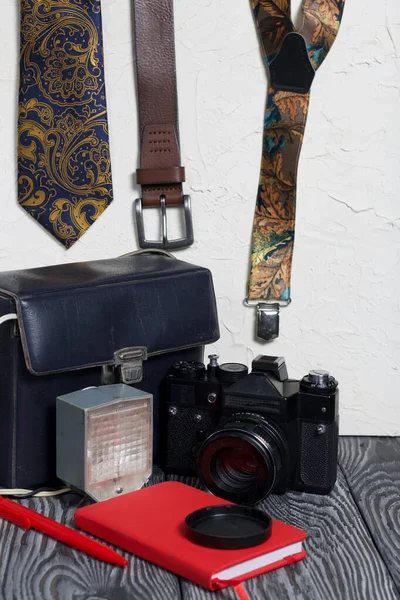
(353, 545)
(372, 470)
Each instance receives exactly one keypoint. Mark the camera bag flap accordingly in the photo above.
(76, 316)
(72, 318)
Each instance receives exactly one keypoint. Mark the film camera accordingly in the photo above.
(249, 434)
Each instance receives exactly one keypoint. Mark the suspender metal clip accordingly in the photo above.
(165, 243)
(268, 321)
(267, 318)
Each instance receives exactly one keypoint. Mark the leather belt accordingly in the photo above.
(160, 174)
(293, 58)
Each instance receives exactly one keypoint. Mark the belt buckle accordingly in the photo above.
(164, 243)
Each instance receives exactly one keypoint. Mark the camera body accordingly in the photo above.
(257, 432)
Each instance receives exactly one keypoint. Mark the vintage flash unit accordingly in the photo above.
(105, 439)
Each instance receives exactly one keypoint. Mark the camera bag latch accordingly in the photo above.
(127, 367)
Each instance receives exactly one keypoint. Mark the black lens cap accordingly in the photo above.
(228, 526)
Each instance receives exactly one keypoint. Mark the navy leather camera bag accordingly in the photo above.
(62, 329)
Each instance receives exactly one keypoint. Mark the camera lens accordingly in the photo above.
(237, 466)
(243, 461)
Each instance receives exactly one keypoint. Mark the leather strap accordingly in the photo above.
(292, 57)
(154, 176)
(160, 172)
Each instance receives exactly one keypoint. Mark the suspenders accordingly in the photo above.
(293, 57)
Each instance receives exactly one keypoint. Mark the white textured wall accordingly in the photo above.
(345, 310)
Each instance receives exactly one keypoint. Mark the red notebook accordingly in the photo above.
(151, 524)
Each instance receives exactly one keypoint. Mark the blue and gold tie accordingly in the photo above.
(64, 169)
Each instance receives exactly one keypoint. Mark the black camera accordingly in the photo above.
(249, 434)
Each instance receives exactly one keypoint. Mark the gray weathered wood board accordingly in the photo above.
(346, 553)
(372, 468)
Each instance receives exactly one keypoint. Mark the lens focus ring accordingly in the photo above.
(243, 461)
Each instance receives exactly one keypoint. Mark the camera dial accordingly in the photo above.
(213, 360)
(212, 366)
(188, 369)
(319, 381)
(319, 377)
(232, 372)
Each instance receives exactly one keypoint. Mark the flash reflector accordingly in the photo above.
(105, 440)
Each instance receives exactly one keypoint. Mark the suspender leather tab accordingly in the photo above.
(291, 69)
(160, 173)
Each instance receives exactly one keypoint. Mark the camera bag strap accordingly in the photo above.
(293, 57)
(160, 174)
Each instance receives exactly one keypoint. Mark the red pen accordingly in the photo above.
(29, 519)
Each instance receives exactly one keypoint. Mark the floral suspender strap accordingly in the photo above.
(293, 57)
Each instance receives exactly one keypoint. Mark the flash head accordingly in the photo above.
(104, 440)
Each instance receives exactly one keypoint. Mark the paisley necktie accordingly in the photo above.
(64, 169)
